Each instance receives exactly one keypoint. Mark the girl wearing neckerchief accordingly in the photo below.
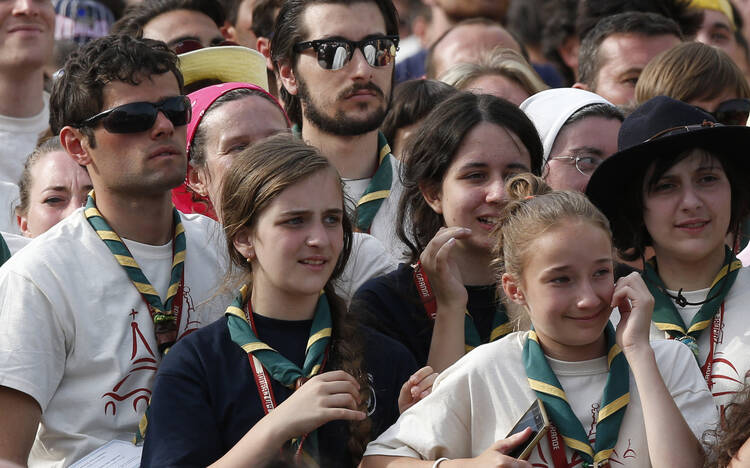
(286, 378)
(613, 398)
(444, 301)
(679, 184)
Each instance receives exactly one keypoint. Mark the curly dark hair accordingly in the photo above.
(139, 14)
(289, 30)
(78, 93)
(591, 11)
(733, 431)
(431, 150)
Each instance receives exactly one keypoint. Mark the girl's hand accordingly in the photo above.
(441, 268)
(494, 456)
(326, 397)
(416, 388)
(636, 305)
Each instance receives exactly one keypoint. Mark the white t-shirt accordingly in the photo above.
(78, 337)
(731, 357)
(18, 137)
(384, 223)
(367, 260)
(478, 400)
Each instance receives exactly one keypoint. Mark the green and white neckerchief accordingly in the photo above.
(615, 399)
(378, 189)
(166, 315)
(500, 325)
(668, 319)
(264, 358)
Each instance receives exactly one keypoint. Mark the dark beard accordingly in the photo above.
(340, 124)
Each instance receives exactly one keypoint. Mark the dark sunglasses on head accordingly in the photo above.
(334, 54)
(732, 112)
(189, 45)
(141, 116)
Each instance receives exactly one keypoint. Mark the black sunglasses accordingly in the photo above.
(189, 45)
(334, 54)
(732, 112)
(141, 116)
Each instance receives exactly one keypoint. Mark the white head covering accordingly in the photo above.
(548, 110)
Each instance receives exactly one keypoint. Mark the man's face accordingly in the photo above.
(27, 30)
(353, 99)
(716, 30)
(243, 32)
(465, 44)
(622, 58)
(175, 26)
(149, 162)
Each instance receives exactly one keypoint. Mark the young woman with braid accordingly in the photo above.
(444, 302)
(679, 184)
(613, 398)
(286, 378)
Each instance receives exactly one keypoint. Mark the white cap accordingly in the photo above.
(548, 110)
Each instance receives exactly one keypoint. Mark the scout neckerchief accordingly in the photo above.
(666, 317)
(378, 189)
(500, 325)
(615, 399)
(166, 316)
(264, 359)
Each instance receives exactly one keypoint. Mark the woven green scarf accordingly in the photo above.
(668, 319)
(615, 399)
(378, 189)
(282, 369)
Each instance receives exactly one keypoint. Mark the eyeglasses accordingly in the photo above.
(334, 54)
(189, 45)
(140, 116)
(732, 112)
(585, 163)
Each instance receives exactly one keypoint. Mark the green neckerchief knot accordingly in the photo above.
(282, 369)
(165, 320)
(378, 189)
(615, 399)
(500, 328)
(668, 319)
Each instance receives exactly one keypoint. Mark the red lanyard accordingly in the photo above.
(557, 448)
(261, 378)
(424, 290)
(707, 366)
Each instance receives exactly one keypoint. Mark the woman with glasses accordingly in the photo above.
(700, 75)
(578, 130)
(443, 302)
(678, 184)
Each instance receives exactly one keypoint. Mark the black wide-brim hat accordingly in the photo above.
(660, 127)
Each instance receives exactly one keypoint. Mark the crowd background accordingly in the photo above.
(401, 128)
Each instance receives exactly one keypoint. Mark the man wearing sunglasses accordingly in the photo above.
(90, 307)
(335, 62)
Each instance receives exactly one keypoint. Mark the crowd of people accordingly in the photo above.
(376, 233)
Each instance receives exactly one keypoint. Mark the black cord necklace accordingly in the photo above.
(682, 300)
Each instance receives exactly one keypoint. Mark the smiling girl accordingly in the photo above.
(444, 301)
(679, 185)
(285, 376)
(611, 397)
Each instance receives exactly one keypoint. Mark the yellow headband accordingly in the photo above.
(721, 6)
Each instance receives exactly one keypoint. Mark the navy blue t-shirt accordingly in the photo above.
(205, 398)
(391, 305)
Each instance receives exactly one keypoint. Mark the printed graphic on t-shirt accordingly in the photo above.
(143, 359)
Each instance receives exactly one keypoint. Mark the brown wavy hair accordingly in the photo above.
(257, 176)
(733, 431)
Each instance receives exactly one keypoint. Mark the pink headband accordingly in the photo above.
(202, 99)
